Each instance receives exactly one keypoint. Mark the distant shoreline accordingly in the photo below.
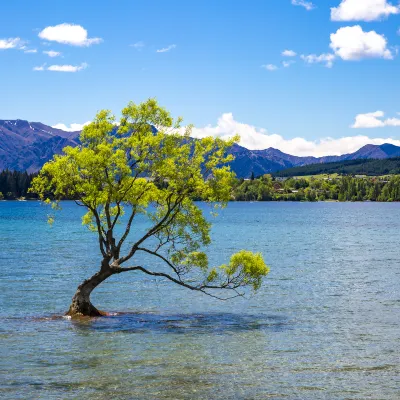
(241, 201)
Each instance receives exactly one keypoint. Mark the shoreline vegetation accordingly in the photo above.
(14, 185)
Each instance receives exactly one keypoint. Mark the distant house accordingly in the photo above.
(360, 176)
(280, 179)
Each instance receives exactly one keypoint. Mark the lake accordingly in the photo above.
(325, 325)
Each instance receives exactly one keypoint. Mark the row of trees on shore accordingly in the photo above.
(15, 184)
(338, 188)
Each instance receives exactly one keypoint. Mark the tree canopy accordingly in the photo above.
(147, 164)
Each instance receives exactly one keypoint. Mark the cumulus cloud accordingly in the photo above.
(70, 128)
(166, 49)
(308, 5)
(11, 43)
(269, 67)
(52, 53)
(289, 53)
(28, 51)
(62, 68)
(326, 59)
(365, 10)
(374, 120)
(255, 138)
(74, 35)
(351, 43)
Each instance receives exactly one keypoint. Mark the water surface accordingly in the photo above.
(325, 325)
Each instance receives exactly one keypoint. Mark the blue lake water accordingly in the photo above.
(325, 325)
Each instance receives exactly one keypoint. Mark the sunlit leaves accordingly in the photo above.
(248, 267)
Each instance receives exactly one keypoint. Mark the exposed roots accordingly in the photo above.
(84, 309)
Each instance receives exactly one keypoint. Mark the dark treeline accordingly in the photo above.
(389, 166)
(340, 188)
(15, 184)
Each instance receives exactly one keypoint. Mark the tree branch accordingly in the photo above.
(161, 257)
(154, 229)
(201, 288)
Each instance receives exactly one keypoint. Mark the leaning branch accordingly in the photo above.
(201, 288)
(161, 257)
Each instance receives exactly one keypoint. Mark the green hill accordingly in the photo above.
(389, 166)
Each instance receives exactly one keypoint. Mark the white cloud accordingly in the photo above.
(255, 138)
(289, 53)
(30, 51)
(287, 64)
(52, 53)
(138, 45)
(374, 120)
(352, 43)
(363, 10)
(308, 5)
(11, 43)
(67, 68)
(71, 128)
(269, 67)
(326, 59)
(74, 35)
(62, 68)
(165, 49)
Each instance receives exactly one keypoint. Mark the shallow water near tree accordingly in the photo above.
(325, 324)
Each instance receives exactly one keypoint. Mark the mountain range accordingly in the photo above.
(26, 146)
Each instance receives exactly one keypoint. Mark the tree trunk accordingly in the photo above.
(81, 305)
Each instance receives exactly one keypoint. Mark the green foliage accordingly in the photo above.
(246, 267)
(131, 168)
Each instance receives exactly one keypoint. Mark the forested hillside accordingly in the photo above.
(389, 166)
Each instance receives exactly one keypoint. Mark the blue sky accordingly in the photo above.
(221, 68)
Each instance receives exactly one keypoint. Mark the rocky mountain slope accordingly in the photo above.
(28, 145)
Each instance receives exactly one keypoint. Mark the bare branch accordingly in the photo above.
(155, 228)
(161, 257)
(117, 215)
(201, 288)
(127, 230)
(102, 241)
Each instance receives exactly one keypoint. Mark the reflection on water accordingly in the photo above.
(209, 324)
(324, 326)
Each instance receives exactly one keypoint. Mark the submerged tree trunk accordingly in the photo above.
(81, 305)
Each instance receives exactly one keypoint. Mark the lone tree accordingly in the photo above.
(121, 171)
